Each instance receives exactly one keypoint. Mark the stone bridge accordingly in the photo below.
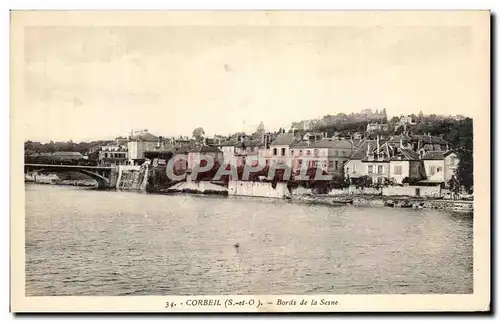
(105, 176)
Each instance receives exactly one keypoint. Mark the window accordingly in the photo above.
(300, 162)
(354, 168)
(275, 151)
(316, 152)
(335, 153)
(370, 169)
(308, 152)
(330, 164)
(291, 152)
(283, 150)
(341, 153)
(438, 169)
(432, 170)
(314, 163)
(300, 152)
(337, 167)
(380, 169)
(105, 155)
(398, 169)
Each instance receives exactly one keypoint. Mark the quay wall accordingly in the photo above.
(132, 177)
(423, 191)
(199, 186)
(258, 189)
(380, 201)
(412, 191)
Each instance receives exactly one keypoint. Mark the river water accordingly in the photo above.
(81, 241)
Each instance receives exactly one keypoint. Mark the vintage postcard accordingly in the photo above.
(250, 161)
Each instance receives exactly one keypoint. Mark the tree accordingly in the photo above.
(364, 182)
(261, 130)
(454, 184)
(384, 115)
(420, 115)
(199, 134)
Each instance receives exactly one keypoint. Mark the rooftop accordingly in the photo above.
(405, 154)
(362, 148)
(436, 155)
(326, 143)
(145, 136)
(284, 139)
(205, 149)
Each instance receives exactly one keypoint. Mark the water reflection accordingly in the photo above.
(87, 242)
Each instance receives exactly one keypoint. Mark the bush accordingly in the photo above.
(410, 181)
(364, 182)
(165, 155)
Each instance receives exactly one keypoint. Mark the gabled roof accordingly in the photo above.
(284, 139)
(447, 153)
(406, 154)
(360, 152)
(433, 155)
(432, 147)
(403, 137)
(249, 143)
(429, 139)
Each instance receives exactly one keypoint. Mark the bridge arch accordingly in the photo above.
(101, 174)
(102, 182)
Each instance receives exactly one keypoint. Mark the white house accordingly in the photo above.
(440, 166)
(354, 167)
(280, 149)
(139, 143)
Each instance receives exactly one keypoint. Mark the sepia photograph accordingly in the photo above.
(259, 161)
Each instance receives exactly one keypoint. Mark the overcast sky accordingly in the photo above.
(86, 83)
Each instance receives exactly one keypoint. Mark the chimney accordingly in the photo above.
(369, 150)
(378, 143)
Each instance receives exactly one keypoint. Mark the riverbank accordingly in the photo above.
(336, 200)
(466, 206)
(79, 183)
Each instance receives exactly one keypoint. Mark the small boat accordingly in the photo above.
(344, 202)
(462, 209)
(389, 203)
(419, 205)
(405, 204)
